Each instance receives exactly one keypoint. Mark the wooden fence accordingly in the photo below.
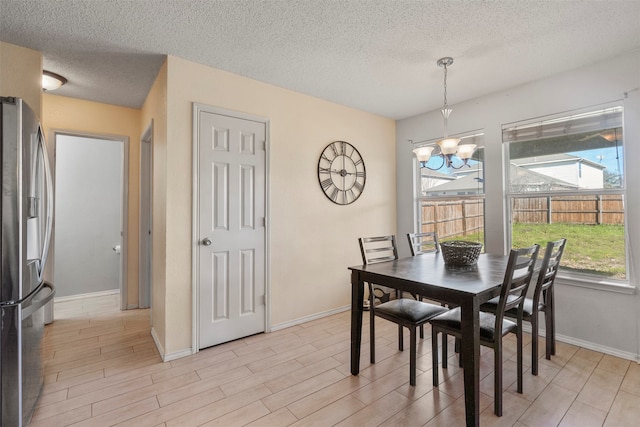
(454, 218)
(594, 209)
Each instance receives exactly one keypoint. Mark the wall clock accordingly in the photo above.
(341, 172)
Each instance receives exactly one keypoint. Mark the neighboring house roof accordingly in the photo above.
(554, 158)
(467, 184)
(521, 179)
(428, 173)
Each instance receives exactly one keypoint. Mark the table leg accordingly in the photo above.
(470, 354)
(357, 297)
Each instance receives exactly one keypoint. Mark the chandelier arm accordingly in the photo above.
(439, 167)
(457, 167)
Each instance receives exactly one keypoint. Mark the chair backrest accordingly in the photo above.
(423, 242)
(378, 249)
(549, 267)
(516, 281)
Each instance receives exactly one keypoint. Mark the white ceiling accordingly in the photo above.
(374, 55)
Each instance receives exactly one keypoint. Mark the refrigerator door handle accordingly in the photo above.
(26, 312)
(49, 198)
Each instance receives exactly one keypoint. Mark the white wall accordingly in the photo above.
(312, 240)
(597, 317)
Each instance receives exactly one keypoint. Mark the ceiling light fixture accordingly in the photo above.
(448, 146)
(52, 81)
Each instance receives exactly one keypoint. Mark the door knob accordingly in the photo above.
(206, 242)
(116, 249)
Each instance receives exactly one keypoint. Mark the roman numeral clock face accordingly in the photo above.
(341, 173)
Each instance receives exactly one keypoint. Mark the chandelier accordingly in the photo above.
(449, 148)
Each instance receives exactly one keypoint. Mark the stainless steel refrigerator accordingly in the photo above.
(27, 211)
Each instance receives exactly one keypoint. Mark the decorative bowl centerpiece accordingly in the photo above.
(460, 253)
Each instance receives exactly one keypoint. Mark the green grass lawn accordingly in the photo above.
(592, 249)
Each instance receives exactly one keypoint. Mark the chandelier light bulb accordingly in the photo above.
(465, 151)
(423, 153)
(448, 145)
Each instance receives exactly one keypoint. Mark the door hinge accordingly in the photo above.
(264, 221)
(264, 300)
(264, 145)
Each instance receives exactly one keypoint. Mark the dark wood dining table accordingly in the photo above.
(427, 275)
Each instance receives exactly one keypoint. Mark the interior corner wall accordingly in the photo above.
(603, 319)
(154, 110)
(61, 113)
(21, 75)
(312, 240)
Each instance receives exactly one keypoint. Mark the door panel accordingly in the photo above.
(231, 215)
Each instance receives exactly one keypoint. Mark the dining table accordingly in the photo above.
(428, 276)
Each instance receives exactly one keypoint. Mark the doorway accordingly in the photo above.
(90, 221)
(230, 268)
(146, 244)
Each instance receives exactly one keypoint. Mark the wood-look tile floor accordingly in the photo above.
(102, 369)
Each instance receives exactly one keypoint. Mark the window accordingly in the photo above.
(565, 178)
(450, 200)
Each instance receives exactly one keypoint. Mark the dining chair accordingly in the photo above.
(405, 312)
(541, 302)
(493, 326)
(421, 243)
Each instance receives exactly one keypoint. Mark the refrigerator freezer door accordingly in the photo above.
(21, 366)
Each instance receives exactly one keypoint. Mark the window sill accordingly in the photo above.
(598, 284)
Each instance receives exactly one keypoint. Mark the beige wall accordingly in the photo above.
(69, 114)
(313, 240)
(155, 110)
(21, 74)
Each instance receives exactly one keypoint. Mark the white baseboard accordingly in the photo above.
(600, 348)
(588, 345)
(157, 341)
(526, 327)
(167, 357)
(89, 295)
(177, 355)
(310, 318)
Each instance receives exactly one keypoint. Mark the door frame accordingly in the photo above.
(197, 108)
(124, 217)
(146, 138)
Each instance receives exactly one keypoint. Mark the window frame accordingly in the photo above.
(586, 280)
(478, 137)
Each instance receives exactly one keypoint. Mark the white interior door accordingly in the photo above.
(88, 214)
(231, 228)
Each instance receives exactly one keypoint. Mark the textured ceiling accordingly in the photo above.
(375, 55)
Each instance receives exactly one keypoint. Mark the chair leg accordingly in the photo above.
(497, 379)
(372, 334)
(434, 356)
(534, 343)
(519, 360)
(549, 338)
(412, 357)
(445, 350)
(550, 319)
(418, 297)
(400, 339)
